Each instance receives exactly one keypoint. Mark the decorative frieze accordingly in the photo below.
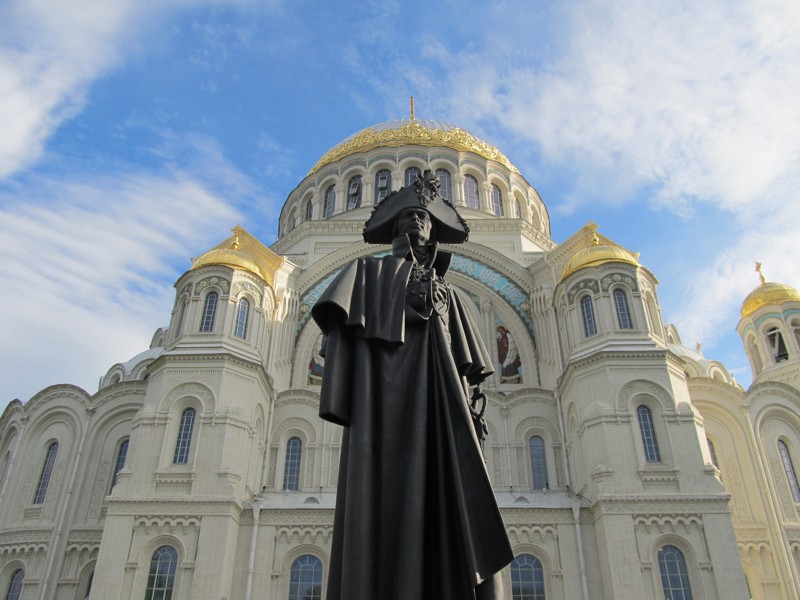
(608, 280)
(216, 281)
(580, 286)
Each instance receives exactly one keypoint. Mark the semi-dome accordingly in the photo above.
(596, 255)
(403, 132)
(233, 256)
(768, 294)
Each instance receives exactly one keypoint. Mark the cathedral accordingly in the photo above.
(625, 464)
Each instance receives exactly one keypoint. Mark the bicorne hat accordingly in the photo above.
(450, 226)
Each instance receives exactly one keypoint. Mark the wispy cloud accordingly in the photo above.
(92, 261)
(694, 104)
(51, 51)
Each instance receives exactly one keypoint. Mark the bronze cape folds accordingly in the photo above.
(416, 518)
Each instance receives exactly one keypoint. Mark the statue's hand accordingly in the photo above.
(439, 291)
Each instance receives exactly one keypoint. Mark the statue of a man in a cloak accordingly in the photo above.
(416, 518)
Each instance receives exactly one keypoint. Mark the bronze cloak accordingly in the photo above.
(416, 518)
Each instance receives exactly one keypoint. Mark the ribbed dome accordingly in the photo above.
(598, 254)
(420, 132)
(230, 257)
(768, 294)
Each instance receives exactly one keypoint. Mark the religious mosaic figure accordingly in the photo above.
(416, 517)
(316, 365)
(507, 352)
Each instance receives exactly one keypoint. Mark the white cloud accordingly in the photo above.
(92, 264)
(51, 51)
(691, 103)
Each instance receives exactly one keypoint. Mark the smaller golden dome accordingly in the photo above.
(230, 257)
(768, 294)
(598, 254)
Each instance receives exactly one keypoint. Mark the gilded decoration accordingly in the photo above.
(768, 294)
(412, 132)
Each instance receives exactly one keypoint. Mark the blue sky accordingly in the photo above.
(134, 134)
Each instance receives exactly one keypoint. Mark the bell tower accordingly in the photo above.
(770, 331)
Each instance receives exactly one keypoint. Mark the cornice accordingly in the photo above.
(183, 506)
(716, 387)
(517, 397)
(627, 356)
(297, 395)
(321, 227)
(661, 504)
(206, 356)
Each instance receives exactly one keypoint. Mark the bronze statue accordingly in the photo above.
(416, 518)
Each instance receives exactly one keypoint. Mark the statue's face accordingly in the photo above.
(416, 222)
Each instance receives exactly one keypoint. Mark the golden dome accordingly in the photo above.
(419, 132)
(230, 257)
(596, 255)
(768, 294)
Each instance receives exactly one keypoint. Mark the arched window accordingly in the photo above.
(623, 312)
(516, 209)
(4, 472)
(15, 585)
(411, 176)
(788, 466)
(181, 315)
(754, 355)
(122, 455)
(497, 201)
(309, 210)
(538, 463)
(649, 441)
(674, 577)
(161, 580)
(652, 312)
(776, 344)
(89, 582)
(330, 203)
(383, 184)
(306, 578)
(291, 471)
(471, 198)
(527, 578)
(587, 312)
(209, 312)
(713, 452)
(47, 471)
(445, 184)
(242, 316)
(354, 192)
(796, 328)
(184, 437)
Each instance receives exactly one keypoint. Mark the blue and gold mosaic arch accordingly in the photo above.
(510, 292)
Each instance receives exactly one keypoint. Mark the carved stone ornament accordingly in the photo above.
(583, 284)
(219, 282)
(608, 280)
(246, 286)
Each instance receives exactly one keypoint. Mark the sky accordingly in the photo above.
(134, 134)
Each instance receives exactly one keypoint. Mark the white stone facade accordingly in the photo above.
(219, 416)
